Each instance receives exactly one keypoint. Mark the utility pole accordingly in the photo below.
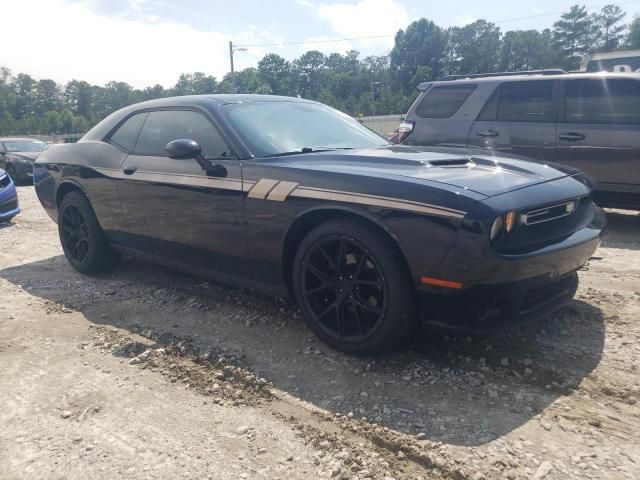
(233, 73)
(373, 96)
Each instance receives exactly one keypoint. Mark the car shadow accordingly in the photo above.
(23, 183)
(5, 224)
(623, 229)
(457, 390)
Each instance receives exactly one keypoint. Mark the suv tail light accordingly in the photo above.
(405, 128)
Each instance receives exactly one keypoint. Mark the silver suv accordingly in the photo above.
(590, 121)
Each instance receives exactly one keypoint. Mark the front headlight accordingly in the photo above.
(503, 224)
(496, 228)
(509, 221)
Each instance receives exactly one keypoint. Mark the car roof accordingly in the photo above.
(523, 77)
(220, 99)
(248, 98)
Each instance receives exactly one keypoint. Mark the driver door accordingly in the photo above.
(173, 208)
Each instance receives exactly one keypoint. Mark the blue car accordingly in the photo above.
(8, 198)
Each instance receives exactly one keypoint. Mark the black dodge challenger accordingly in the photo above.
(293, 197)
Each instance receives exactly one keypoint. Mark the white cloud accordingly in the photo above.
(136, 4)
(252, 36)
(69, 41)
(324, 45)
(365, 18)
(465, 19)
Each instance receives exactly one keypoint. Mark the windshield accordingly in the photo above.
(277, 128)
(24, 146)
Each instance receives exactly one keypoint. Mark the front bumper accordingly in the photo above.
(490, 309)
(504, 291)
(9, 206)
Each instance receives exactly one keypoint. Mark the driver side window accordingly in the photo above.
(164, 126)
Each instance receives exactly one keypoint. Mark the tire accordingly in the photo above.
(363, 304)
(82, 239)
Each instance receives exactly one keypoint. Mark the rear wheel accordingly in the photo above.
(353, 288)
(82, 239)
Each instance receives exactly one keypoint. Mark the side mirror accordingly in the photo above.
(183, 149)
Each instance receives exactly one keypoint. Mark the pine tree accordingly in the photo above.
(574, 35)
(610, 28)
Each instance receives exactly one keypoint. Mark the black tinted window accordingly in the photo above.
(602, 101)
(127, 133)
(165, 126)
(526, 102)
(444, 101)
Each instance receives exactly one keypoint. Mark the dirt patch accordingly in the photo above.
(159, 373)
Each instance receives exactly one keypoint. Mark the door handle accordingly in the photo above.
(572, 136)
(129, 169)
(487, 133)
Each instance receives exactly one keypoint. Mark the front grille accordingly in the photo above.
(5, 181)
(547, 214)
(540, 296)
(8, 206)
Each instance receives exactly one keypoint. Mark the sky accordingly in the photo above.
(145, 42)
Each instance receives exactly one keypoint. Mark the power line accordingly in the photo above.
(314, 42)
(317, 42)
(246, 52)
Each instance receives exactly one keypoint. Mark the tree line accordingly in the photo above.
(359, 86)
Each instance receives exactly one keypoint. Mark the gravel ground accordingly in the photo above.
(151, 373)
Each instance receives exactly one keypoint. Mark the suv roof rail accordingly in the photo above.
(554, 71)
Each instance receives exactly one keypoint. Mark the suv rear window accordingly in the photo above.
(443, 101)
(521, 102)
(602, 101)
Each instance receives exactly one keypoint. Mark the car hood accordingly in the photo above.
(481, 171)
(24, 155)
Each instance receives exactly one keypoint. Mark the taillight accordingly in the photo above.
(405, 128)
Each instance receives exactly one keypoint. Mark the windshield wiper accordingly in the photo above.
(308, 150)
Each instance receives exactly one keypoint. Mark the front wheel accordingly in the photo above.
(82, 239)
(353, 287)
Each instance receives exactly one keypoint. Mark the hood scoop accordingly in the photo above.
(453, 162)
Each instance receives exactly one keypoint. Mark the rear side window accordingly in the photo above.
(443, 101)
(127, 133)
(165, 126)
(525, 102)
(602, 101)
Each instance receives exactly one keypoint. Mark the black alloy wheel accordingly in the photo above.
(83, 241)
(343, 288)
(353, 287)
(74, 234)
